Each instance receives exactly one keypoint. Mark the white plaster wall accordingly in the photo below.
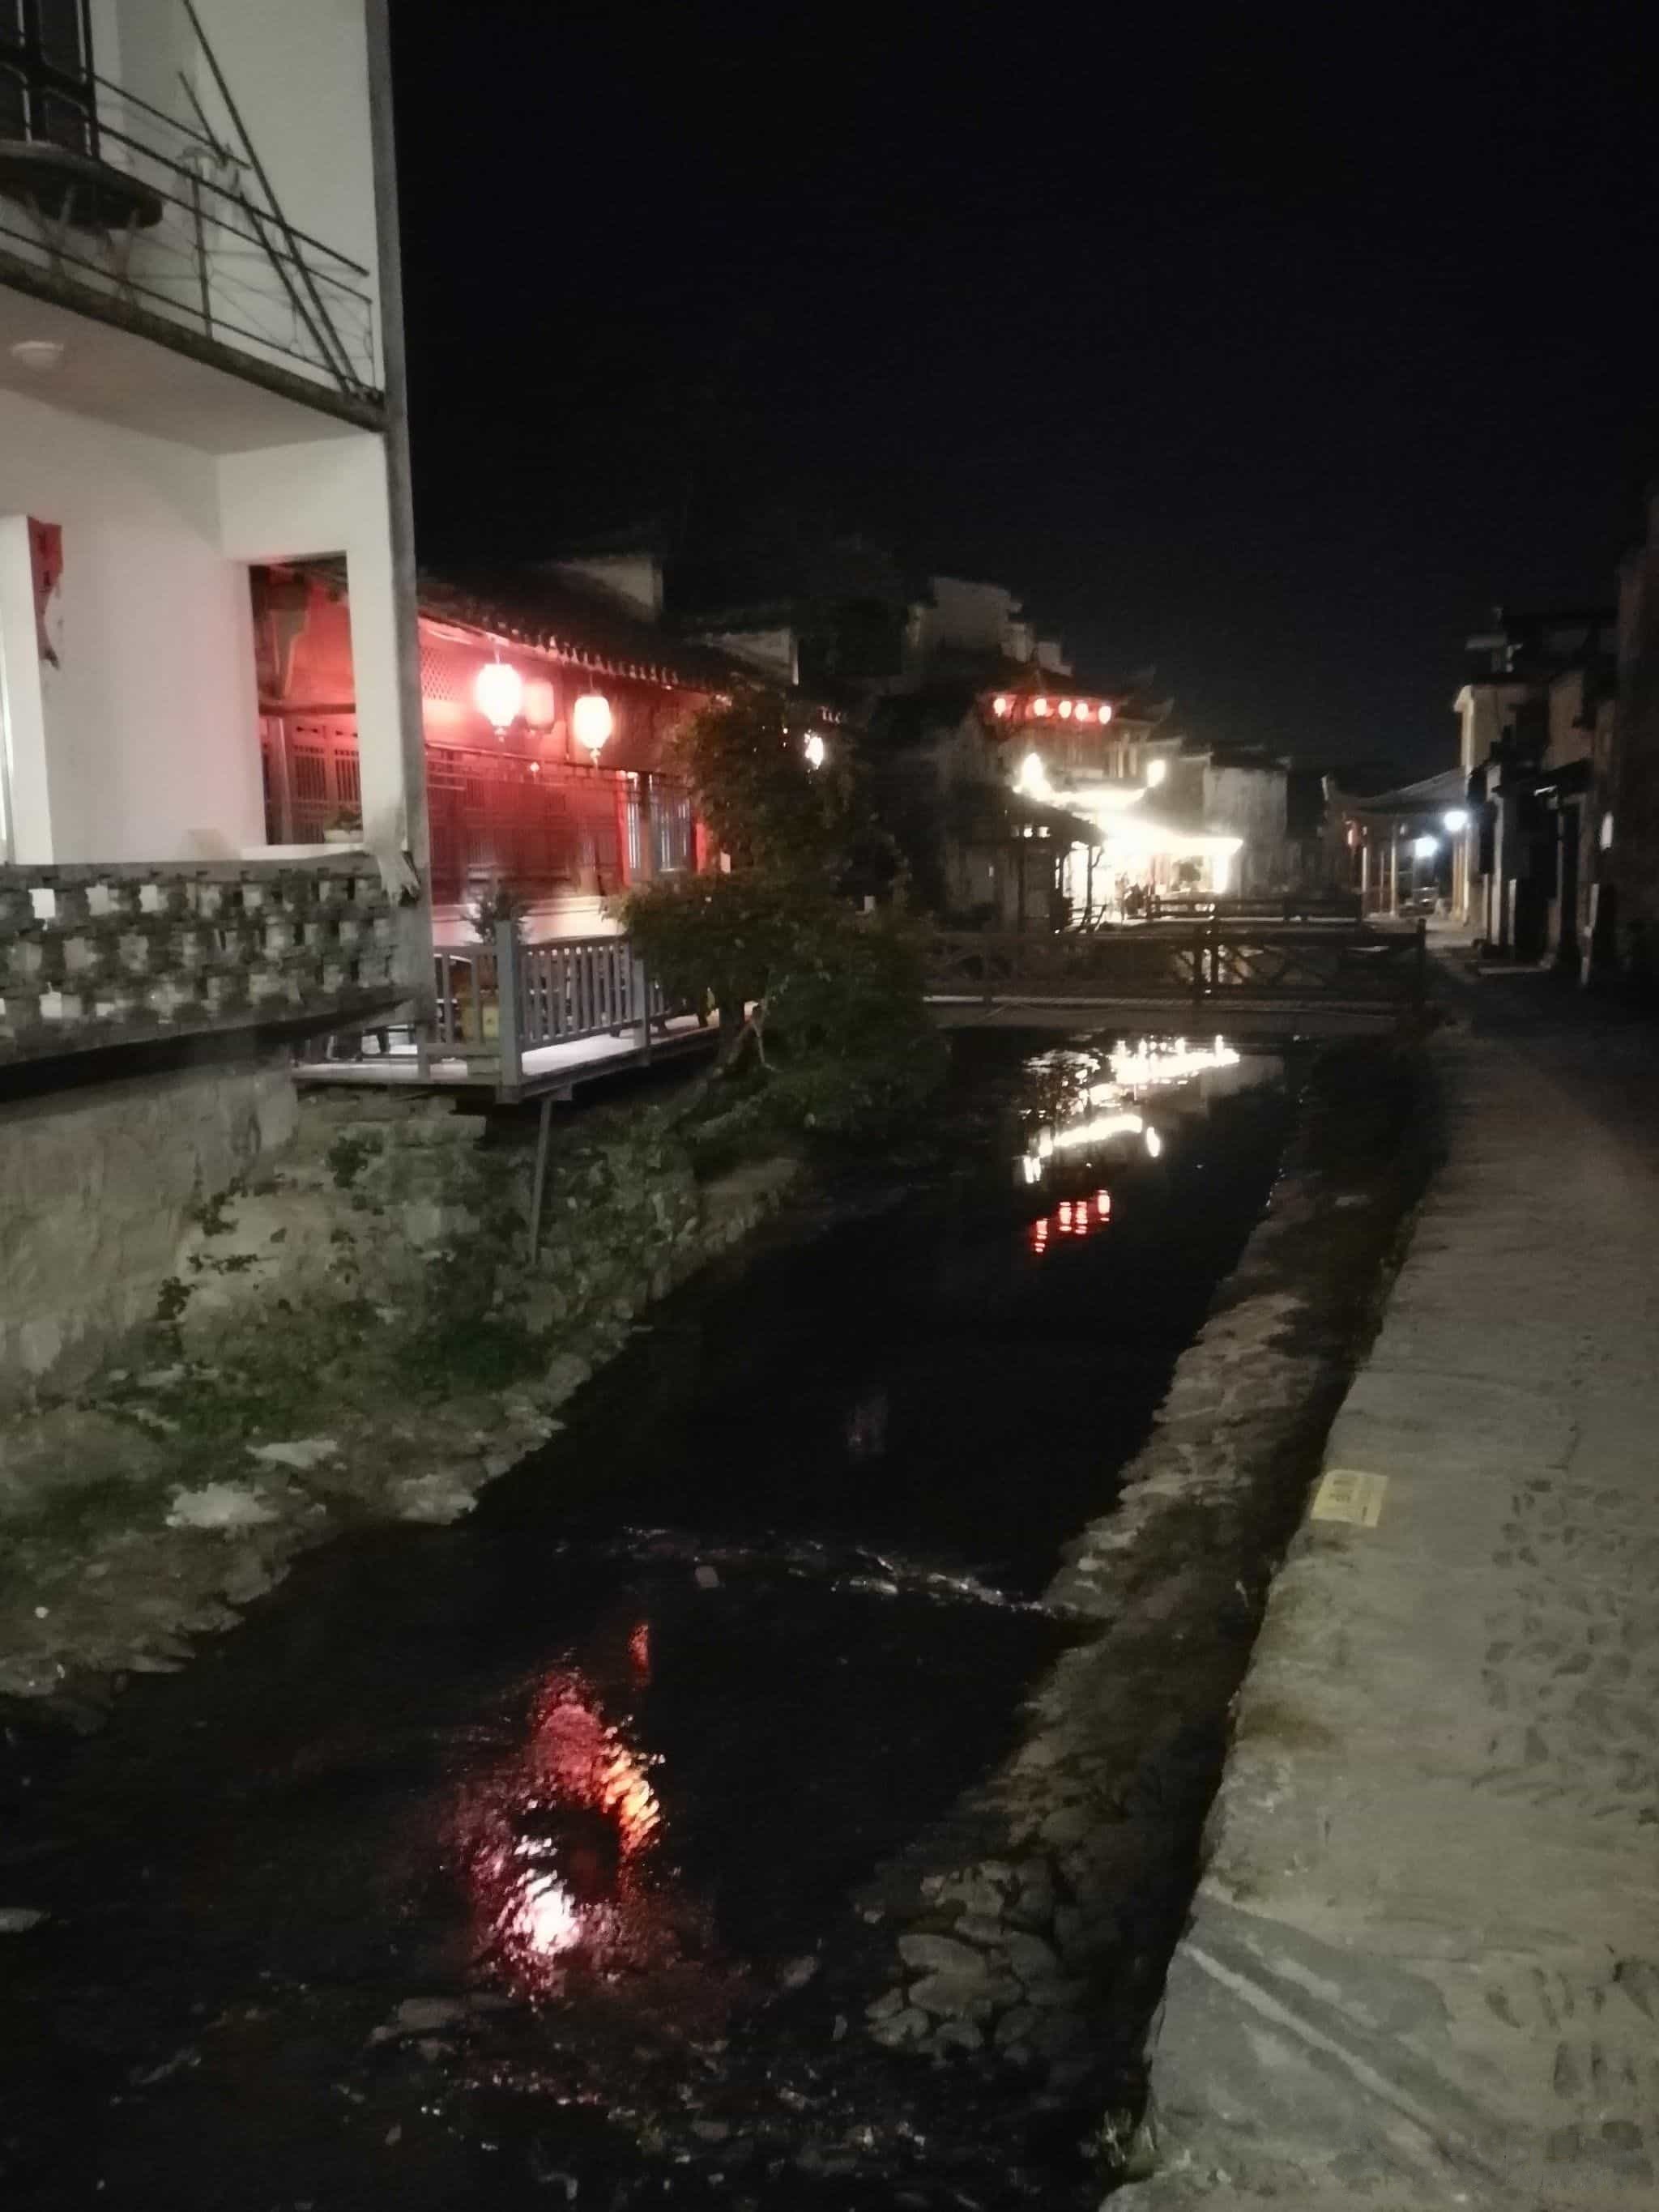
(26, 832)
(141, 744)
(298, 70)
(1251, 803)
(969, 615)
(289, 502)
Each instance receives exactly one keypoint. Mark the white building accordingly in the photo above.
(200, 369)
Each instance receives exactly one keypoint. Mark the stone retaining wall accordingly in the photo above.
(344, 1330)
(98, 1193)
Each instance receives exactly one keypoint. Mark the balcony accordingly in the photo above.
(160, 229)
(95, 956)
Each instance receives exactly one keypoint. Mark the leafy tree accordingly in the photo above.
(821, 1010)
(823, 1024)
(764, 801)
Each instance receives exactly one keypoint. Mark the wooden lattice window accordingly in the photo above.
(312, 780)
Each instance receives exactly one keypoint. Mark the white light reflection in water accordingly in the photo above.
(1092, 1108)
(1159, 1061)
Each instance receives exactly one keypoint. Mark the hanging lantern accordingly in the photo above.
(498, 691)
(1001, 706)
(540, 707)
(592, 722)
(1040, 708)
(814, 748)
(1105, 712)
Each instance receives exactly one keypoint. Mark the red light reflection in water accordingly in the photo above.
(558, 1843)
(1071, 1218)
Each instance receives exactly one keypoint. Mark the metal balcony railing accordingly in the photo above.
(167, 219)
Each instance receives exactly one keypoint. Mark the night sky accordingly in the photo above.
(1272, 349)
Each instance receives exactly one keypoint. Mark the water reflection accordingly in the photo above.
(1075, 1218)
(866, 1424)
(560, 1844)
(1092, 1100)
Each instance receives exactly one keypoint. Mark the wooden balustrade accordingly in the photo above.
(1199, 963)
(508, 999)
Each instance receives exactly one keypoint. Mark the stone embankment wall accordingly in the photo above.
(98, 1190)
(345, 1330)
(1026, 1936)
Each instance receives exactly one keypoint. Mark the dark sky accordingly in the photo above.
(1270, 347)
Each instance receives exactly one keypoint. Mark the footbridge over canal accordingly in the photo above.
(1245, 977)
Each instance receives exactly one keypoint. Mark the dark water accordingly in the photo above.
(589, 1778)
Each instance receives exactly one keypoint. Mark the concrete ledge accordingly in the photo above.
(1423, 1967)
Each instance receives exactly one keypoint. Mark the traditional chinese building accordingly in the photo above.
(549, 709)
(1162, 811)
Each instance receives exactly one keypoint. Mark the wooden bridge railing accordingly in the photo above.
(1200, 964)
(1255, 906)
(506, 998)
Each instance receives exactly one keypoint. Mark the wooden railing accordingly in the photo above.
(1251, 906)
(124, 953)
(508, 999)
(1196, 964)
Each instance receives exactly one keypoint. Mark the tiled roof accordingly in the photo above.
(589, 629)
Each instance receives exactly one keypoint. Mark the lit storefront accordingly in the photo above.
(1106, 762)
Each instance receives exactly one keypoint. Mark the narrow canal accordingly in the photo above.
(516, 1862)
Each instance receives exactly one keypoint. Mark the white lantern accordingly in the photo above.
(813, 747)
(592, 722)
(498, 691)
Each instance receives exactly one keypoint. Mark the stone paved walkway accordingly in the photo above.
(1423, 1965)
